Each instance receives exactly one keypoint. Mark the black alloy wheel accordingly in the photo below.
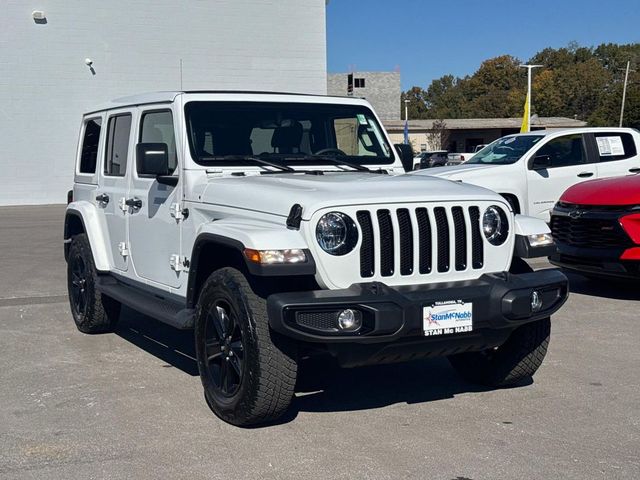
(224, 348)
(78, 285)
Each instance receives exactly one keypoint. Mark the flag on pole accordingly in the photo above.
(406, 132)
(525, 118)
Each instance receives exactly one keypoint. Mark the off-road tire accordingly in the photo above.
(269, 365)
(101, 313)
(512, 362)
(515, 360)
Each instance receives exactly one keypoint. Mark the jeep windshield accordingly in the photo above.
(289, 134)
(505, 151)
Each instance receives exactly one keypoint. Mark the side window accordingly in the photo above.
(615, 146)
(564, 151)
(90, 142)
(118, 131)
(157, 127)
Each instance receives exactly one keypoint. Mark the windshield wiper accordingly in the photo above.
(333, 159)
(250, 158)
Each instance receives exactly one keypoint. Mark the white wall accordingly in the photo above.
(136, 46)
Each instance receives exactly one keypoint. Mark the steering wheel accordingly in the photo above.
(337, 151)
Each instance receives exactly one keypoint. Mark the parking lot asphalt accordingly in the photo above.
(130, 404)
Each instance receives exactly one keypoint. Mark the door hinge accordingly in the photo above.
(123, 249)
(178, 263)
(178, 212)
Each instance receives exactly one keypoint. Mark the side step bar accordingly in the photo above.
(150, 304)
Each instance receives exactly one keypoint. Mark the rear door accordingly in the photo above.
(616, 152)
(114, 185)
(570, 164)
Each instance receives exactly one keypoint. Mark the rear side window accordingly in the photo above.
(564, 151)
(118, 131)
(615, 146)
(157, 127)
(90, 142)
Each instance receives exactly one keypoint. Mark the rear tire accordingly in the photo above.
(92, 311)
(248, 371)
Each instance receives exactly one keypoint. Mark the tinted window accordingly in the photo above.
(615, 146)
(157, 127)
(118, 130)
(89, 149)
(564, 151)
(294, 133)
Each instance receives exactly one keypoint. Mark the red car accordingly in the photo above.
(596, 227)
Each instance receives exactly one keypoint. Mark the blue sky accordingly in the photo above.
(428, 39)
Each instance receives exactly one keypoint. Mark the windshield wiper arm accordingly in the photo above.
(333, 159)
(250, 158)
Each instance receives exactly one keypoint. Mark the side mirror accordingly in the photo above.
(406, 155)
(541, 162)
(152, 159)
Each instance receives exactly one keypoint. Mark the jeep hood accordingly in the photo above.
(276, 194)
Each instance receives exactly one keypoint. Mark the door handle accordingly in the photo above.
(634, 170)
(102, 199)
(585, 174)
(134, 203)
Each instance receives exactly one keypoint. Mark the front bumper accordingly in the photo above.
(501, 302)
(596, 262)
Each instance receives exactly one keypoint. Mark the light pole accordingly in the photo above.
(406, 109)
(529, 68)
(624, 91)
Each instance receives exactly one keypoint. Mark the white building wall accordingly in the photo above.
(136, 46)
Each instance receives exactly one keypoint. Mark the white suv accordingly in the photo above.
(279, 226)
(532, 170)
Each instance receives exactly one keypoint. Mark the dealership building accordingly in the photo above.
(60, 59)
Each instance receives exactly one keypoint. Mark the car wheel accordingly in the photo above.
(248, 371)
(515, 360)
(510, 363)
(92, 311)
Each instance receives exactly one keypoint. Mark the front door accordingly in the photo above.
(114, 186)
(569, 165)
(154, 227)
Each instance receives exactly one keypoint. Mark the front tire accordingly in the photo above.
(92, 311)
(515, 360)
(248, 372)
(512, 362)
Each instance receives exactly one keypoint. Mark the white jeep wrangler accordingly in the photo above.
(280, 225)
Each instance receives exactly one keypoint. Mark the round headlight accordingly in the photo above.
(495, 225)
(336, 233)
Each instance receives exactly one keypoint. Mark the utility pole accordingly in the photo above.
(624, 91)
(529, 69)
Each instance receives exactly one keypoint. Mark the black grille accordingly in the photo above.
(424, 237)
(406, 242)
(588, 232)
(386, 243)
(380, 240)
(326, 321)
(477, 248)
(442, 230)
(367, 247)
(460, 230)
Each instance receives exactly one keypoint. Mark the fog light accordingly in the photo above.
(349, 320)
(536, 301)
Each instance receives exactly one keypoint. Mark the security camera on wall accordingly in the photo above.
(88, 62)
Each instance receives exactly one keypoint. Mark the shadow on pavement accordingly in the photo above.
(322, 385)
(604, 288)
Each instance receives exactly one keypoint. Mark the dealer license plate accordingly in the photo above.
(443, 318)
